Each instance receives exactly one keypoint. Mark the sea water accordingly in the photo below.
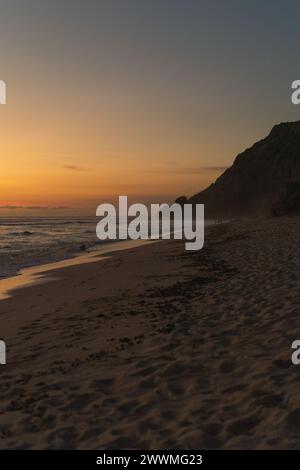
(30, 241)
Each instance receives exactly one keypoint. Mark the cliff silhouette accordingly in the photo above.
(264, 179)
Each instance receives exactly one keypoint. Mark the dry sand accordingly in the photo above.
(156, 347)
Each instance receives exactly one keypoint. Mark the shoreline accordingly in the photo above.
(39, 274)
(13, 262)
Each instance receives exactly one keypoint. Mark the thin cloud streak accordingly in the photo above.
(191, 171)
(74, 168)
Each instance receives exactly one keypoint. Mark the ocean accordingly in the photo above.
(30, 241)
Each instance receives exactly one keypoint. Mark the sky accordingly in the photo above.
(150, 99)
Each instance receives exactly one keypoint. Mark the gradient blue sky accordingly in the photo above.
(148, 98)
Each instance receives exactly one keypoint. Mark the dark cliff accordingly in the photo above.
(258, 177)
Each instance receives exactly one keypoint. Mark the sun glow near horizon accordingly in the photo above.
(66, 162)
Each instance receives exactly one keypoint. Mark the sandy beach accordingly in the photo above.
(156, 347)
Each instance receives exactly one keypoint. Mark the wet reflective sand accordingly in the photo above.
(42, 274)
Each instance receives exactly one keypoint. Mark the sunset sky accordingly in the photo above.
(152, 99)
